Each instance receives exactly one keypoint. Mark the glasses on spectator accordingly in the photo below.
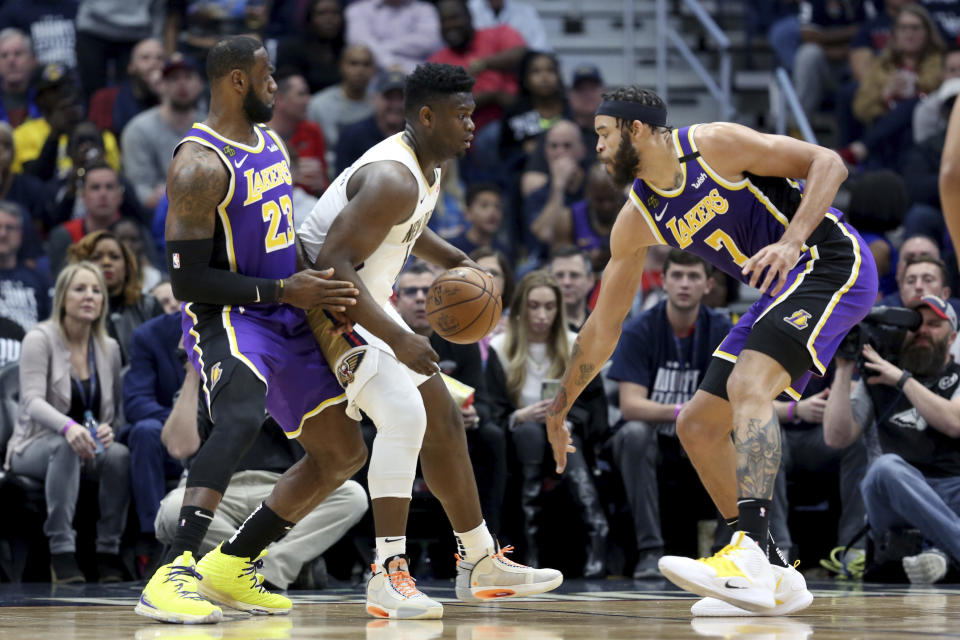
(410, 292)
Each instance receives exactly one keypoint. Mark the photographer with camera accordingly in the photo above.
(915, 405)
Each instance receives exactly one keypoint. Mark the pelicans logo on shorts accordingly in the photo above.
(798, 319)
(348, 367)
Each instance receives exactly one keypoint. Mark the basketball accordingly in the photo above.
(463, 305)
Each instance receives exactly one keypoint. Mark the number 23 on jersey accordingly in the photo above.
(274, 211)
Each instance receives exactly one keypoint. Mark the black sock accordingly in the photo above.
(753, 520)
(194, 522)
(262, 527)
(732, 522)
(774, 554)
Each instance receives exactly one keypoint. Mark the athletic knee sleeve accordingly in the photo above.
(396, 408)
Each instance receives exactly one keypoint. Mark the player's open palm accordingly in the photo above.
(415, 351)
(309, 288)
(771, 265)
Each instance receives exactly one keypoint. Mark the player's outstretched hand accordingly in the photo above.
(777, 260)
(309, 288)
(415, 351)
(559, 435)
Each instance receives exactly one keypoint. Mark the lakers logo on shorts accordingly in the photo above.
(348, 367)
(798, 319)
(215, 374)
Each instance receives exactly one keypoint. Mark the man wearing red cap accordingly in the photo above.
(915, 407)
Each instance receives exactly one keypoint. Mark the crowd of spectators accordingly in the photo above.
(96, 94)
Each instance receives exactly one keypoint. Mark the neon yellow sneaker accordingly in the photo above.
(234, 582)
(171, 595)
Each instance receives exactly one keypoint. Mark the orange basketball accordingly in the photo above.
(463, 305)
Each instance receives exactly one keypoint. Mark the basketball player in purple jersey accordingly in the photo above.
(231, 253)
(730, 195)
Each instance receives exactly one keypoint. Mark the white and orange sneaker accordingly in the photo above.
(393, 593)
(790, 593)
(738, 574)
(496, 576)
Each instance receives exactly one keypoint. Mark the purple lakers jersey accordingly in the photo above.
(722, 222)
(254, 224)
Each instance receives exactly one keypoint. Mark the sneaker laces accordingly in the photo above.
(179, 574)
(499, 555)
(253, 566)
(404, 583)
(720, 556)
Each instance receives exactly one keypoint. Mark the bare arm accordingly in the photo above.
(435, 250)
(553, 225)
(860, 59)
(771, 155)
(840, 428)
(635, 404)
(950, 177)
(508, 60)
(179, 434)
(598, 337)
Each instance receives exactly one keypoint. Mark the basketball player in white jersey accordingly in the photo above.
(365, 226)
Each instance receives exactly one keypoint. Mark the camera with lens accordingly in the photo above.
(884, 329)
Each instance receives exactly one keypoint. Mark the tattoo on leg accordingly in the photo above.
(758, 457)
(559, 403)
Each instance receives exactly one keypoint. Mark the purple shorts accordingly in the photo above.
(276, 344)
(826, 296)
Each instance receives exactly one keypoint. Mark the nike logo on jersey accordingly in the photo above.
(257, 288)
(659, 216)
(239, 163)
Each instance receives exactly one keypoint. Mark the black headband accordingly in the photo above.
(630, 111)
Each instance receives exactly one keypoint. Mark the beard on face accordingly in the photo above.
(625, 163)
(924, 360)
(256, 109)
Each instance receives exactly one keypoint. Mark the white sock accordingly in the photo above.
(476, 543)
(388, 547)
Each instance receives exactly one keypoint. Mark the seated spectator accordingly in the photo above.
(316, 50)
(134, 236)
(497, 265)
(86, 152)
(156, 372)
(724, 290)
(343, 104)
(921, 272)
(16, 72)
(400, 33)
(486, 440)
(149, 138)
(541, 102)
(101, 194)
(573, 271)
(27, 192)
(912, 410)
(302, 137)
(660, 360)
(51, 25)
(42, 143)
(931, 114)
(387, 119)
(819, 67)
(189, 425)
(491, 55)
(911, 65)
(111, 108)
(163, 292)
(585, 95)
(193, 26)
(521, 16)
(484, 212)
(24, 291)
(69, 378)
(129, 308)
(449, 219)
(523, 366)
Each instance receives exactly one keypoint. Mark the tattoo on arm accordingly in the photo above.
(586, 373)
(758, 457)
(559, 403)
(195, 187)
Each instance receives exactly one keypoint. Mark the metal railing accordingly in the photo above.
(783, 98)
(721, 91)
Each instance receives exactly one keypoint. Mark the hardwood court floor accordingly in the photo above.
(595, 610)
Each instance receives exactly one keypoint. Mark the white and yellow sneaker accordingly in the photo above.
(738, 574)
(790, 593)
(497, 576)
(393, 593)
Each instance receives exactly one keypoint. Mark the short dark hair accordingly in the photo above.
(13, 209)
(570, 251)
(96, 166)
(431, 80)
(233, 52)
(416, 268)
(926, 258)
(676, 256)
(477, 188)
(636, 93)
(509, 280)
